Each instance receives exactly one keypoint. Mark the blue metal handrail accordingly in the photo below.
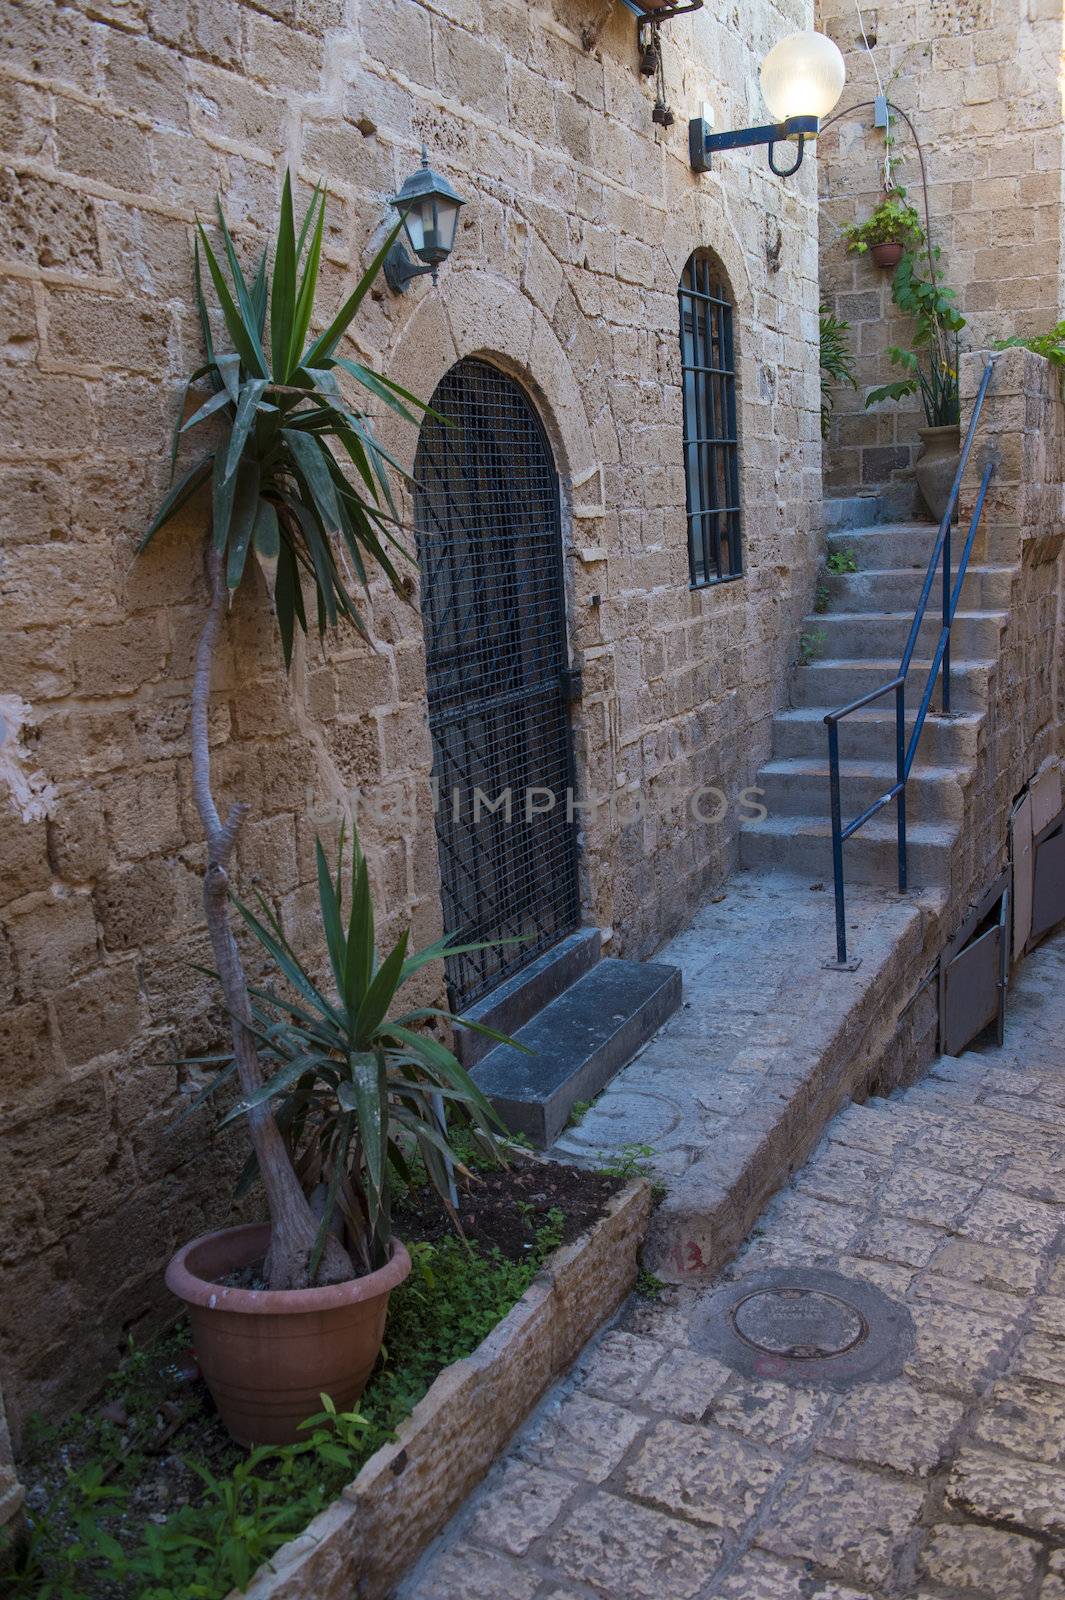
(905, 753)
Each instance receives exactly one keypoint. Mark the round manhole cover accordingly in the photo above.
(804, 1325)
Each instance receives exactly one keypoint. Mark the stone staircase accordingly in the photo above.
(863, 634)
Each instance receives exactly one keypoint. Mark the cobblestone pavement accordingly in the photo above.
(654, 1472)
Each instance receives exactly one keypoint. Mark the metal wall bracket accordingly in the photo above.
(703, 143)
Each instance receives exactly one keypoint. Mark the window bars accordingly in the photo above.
(711, 441)
(493, 606)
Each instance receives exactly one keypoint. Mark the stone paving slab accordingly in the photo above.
(762, 1051)
(655, 1473)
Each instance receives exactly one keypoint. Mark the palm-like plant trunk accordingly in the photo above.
(294, 1227)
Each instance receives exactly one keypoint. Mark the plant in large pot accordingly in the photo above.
(931, 371)
(358, 1094)
(888, 232)
(282, 425)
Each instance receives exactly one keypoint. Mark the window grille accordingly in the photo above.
(711, 441)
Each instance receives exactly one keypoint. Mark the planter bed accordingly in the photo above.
(434, 1423)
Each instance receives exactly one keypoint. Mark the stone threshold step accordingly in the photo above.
(513, 1002)
(577, 1043)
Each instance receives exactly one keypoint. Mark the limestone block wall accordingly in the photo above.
(981, 81)
(121, 120)
(1023, 430)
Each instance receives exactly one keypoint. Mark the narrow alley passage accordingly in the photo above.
(656, 1471)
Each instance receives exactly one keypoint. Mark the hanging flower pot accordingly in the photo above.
(888, 254)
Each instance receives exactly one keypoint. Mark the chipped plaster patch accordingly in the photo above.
(30, 793)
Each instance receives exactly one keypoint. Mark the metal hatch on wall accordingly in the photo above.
(1048, 878)
(973, 972)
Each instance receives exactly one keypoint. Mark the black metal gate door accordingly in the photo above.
(493, 606)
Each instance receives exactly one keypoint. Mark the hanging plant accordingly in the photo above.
(888, 232)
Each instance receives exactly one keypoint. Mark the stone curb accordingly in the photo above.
(360, 1546)
(712, 1208)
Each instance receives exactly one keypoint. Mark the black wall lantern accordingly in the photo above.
(430, 209)
(802, 79)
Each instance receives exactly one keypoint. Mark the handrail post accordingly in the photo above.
(900, 776)
(837, 842)
(946, 616)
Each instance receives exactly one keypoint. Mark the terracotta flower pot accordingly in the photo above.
(886, 255)
(267, 1354)
(937, 465)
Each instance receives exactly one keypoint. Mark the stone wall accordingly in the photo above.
(980, 80)
(1022, 430)
(121, 121)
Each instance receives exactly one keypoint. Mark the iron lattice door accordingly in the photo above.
(493, 605)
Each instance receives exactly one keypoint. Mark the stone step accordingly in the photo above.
(794, 788)
(577, 1044)
(883, 633)
(519, 998)
(831, 683)
(849, 511)
(886, 589)
(899, 546)
(870, 735)
(907, 545)
(804, 845)
(895, 502)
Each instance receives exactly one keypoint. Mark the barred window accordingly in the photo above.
(711, 442)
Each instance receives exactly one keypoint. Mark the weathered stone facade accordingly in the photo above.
(980, 81)
(121, 122)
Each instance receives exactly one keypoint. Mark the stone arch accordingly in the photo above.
(702, 224)
(476, 313)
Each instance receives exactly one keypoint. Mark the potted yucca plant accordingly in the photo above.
(358, 1095)
(280, 494)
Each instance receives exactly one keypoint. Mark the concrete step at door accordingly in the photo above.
(801, 788)
(831, 683)
(985, 588)
(870, 735)
(856, 635)
(804, 845)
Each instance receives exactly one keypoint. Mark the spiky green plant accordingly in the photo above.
(284, 435)
(837, 360)
(355, 1089)
(277, 483)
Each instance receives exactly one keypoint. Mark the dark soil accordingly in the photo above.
(502, 1209)
(505, 1208)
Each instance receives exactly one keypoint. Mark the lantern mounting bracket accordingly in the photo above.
(702, 143)
(399, 269)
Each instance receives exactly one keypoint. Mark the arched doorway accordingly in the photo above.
(493, 608)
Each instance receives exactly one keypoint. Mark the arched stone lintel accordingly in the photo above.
(476, 313)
